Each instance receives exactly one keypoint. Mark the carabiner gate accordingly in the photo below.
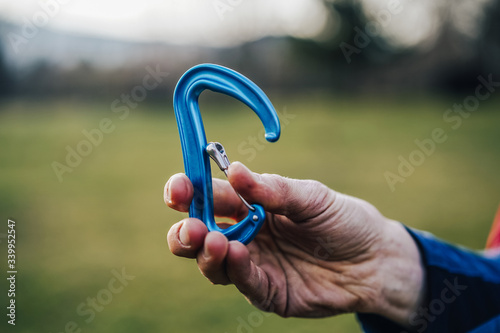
(196, 151)
(216, 151)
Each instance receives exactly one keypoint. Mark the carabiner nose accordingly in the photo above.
(194, 143)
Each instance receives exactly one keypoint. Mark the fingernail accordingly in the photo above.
(206, 252)
(168, 191)
(184, 235)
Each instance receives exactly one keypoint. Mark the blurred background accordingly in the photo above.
(88, 139)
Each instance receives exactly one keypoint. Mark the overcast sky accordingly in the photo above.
(203, 22)
(230, 22)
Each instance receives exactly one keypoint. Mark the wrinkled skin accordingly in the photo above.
(319, 252)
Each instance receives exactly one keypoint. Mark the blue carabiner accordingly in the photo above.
(194, 143)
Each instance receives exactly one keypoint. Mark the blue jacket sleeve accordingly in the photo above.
(463, 292)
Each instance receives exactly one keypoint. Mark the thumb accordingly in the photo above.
(297, 199)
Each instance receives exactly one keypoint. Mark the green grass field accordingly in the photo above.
(108, 212)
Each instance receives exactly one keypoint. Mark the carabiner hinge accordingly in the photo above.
(217, 152)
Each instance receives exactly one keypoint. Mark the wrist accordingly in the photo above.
(400, 275)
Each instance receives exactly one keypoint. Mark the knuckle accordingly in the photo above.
(318, 196)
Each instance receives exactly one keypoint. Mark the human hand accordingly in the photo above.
(319, 252)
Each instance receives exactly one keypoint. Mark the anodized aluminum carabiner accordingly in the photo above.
(194, 143)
